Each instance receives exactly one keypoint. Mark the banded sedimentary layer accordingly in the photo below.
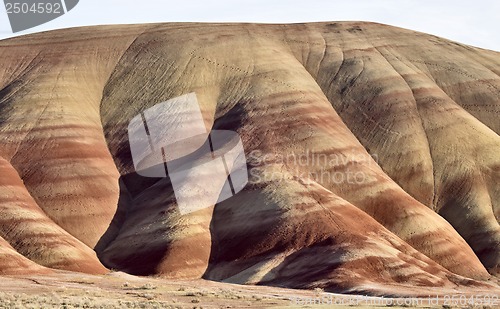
(373, 154)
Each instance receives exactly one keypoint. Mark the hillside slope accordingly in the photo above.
(373, 154)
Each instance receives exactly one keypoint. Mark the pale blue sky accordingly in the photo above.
(472, 22)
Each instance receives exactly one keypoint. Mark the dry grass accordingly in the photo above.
(119, 290)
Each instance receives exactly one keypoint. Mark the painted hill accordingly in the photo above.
(373, 155)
